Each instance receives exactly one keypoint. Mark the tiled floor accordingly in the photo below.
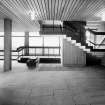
(52, 85)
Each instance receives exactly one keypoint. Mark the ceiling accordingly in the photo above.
(64, 10)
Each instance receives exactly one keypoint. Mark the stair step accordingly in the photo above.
(73, 41)
(78, 44)
(98, 50)
(87, 48)
(69, 39)
(82, 47)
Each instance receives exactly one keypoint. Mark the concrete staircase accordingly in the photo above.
(93, 56)
(79, 45)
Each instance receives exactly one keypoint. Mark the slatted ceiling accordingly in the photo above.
(7, 13)
(89, 12)
(56, 8)
(67, 9)
(75, 7)
(70, 9)
(94, 7)
(8, 8)
(42, 9)
(49, 7)
(2, 14)
(46, 9)
(64, 9)
(13, 9)
(18, 10)
(61, 9)
(18, 13)
(53, 9)
(80, 10)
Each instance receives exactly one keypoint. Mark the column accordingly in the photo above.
(26, 44)
(7, 44)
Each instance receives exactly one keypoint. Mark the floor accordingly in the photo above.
(52, 84)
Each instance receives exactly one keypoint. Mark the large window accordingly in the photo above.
(17, 39)
(38, 42)
(35, 41)
(51, 41)
(45, 42)
(1, 45)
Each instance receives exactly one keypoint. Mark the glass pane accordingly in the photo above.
(99, 38)
(35, 41)
(51, 41)
(56, 51)
(1, 43)
(18, 34)
(14, 57)
(17, 42)
(39, 51)
(14, 53)
(32, 51)
(1, 33)
(45, 51)
(1, 57)
(51, 51)
(34, 34)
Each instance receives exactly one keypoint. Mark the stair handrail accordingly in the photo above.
(20, 48)
(96, 44)
(102, 42)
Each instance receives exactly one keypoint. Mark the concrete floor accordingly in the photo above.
(52, 85)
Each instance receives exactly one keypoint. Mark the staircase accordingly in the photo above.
(93, 56)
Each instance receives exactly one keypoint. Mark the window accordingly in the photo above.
(17, 42)
(51, 41)
(35, 41)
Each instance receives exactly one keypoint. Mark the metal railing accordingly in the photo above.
(33, 51)
(99, 43)
(14, 55)
(39, 51)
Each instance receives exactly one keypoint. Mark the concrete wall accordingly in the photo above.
(72, 55)
(76, 30)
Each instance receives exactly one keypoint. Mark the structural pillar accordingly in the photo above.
(26, 51)
(7, 44)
